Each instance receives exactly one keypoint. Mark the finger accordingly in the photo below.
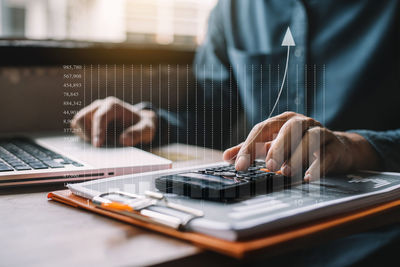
(80, 130)
(261, 149)
(230, 154)
(141, 132)
(131, 136)
(289, 136)
(322, 165)
(82, 120)
(312, 141)
(261, 133)
(89, 109)
(106, 113)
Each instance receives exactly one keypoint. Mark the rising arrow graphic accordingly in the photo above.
(287, 41)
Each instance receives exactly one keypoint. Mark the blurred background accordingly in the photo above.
(168, 22)
(136, 50)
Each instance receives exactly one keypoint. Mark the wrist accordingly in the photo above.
(360, 155)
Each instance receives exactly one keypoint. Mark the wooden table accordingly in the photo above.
(37, 232)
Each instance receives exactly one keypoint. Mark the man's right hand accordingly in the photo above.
(138, 126)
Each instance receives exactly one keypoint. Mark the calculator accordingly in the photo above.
(223, 183)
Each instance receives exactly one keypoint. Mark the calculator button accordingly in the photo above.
(227, 174)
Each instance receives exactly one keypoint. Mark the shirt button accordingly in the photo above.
(298, 52)
(297, 101)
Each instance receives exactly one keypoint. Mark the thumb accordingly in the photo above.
(141, 132)
(131, 136)
(319, 168)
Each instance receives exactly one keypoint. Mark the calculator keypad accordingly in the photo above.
(223, 182)
(253, 172)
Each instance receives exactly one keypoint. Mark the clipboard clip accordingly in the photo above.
(139, 207)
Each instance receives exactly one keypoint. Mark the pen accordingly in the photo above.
(117, 206)
(146, 215)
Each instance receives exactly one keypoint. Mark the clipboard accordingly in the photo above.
(236, 249)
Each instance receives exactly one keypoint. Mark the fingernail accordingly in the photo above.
(272, 165)
(96, 142)
(286, 170)
(242, 163)
(308, 177)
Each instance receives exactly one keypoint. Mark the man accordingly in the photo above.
(341, 97)
(355, 43)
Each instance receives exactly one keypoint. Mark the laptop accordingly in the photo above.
(54, 158)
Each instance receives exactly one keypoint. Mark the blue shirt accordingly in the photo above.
(344, 70)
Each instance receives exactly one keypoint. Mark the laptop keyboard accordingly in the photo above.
(20, 154)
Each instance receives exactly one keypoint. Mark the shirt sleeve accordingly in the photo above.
(386, 144)
(207, 119)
